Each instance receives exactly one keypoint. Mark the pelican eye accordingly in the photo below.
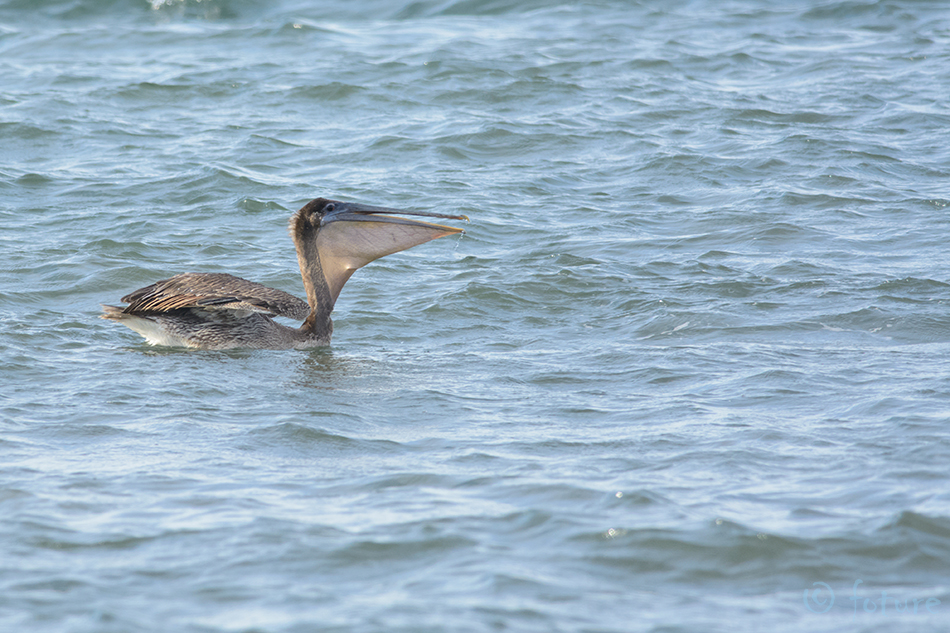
(330, 208)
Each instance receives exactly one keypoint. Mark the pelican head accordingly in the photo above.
(345, 236)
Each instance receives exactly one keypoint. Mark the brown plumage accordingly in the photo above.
(214, 291)
(220, 311)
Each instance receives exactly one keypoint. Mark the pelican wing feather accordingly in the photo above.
(214, 291)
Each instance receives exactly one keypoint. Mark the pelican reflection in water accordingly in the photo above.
(221, 311)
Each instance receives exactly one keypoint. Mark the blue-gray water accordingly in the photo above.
(691, 357)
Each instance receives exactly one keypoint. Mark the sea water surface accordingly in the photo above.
(688, 369)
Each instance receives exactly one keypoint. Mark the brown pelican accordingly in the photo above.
(220, 311)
